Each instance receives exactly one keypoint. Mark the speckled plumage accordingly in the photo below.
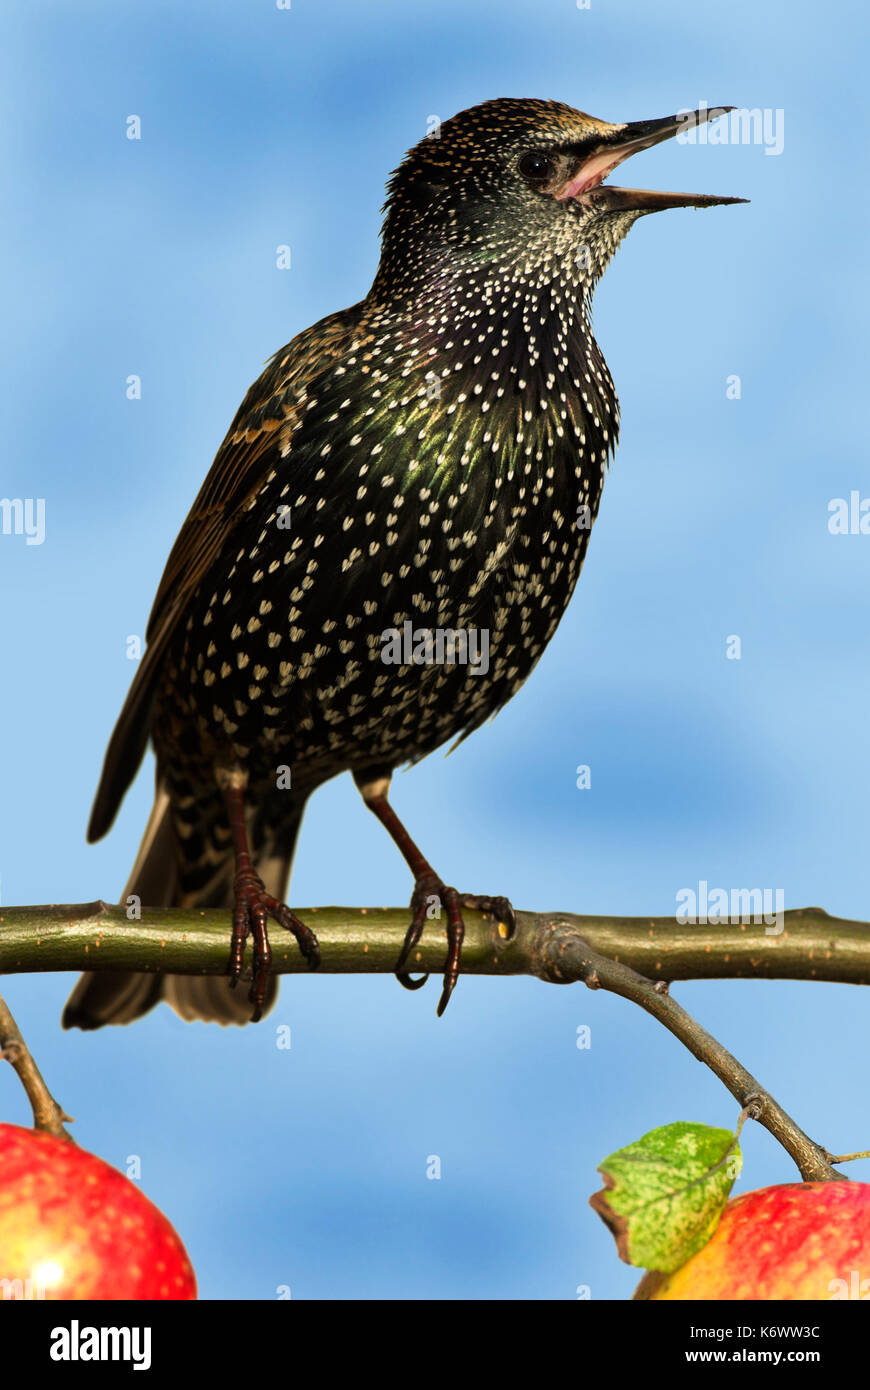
(441, 447)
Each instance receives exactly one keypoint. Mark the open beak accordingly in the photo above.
(621, 142)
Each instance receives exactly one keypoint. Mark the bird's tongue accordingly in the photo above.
(590, 173)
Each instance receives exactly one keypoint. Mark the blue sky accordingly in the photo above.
(156, 257)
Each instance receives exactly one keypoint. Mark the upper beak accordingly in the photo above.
(622, 141)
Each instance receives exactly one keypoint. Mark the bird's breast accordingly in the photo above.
(410, 555)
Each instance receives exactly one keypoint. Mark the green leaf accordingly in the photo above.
(663, 1195)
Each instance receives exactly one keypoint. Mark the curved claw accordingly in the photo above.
(449, 986)
(501, 909)
(305, 938)
(426, 887)
(408, 982)
(412, 936)
(253, 907)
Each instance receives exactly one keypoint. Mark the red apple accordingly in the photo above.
(72, 1227)
(801, 1240)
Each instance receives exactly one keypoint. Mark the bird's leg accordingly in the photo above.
(429, 889)
(253, 906)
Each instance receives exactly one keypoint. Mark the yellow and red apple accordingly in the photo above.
(73, 1227)
(801, 1240)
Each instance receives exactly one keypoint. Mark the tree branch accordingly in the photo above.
(359, 940)
(633, 957)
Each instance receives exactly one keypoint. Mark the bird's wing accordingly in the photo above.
(254, 445)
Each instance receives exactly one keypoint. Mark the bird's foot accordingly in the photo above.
(253, 907)
(429, 897)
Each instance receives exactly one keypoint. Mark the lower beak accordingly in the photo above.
(648, 200)
(619, 144)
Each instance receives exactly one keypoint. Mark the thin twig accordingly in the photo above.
(566, 957)
(47, 1114)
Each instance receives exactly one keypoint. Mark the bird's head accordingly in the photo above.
(513, 183)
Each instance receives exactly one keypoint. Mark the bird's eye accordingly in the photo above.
(536, 167)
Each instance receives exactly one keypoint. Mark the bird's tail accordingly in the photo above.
(121, 996)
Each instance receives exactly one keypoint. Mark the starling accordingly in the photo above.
(387, 538)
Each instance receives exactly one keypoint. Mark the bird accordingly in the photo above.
(386, 541)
